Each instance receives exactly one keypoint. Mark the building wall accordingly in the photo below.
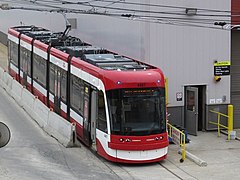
(3, 38)
(9, 18)
(185, 54)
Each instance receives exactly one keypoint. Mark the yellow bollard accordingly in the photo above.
(183, 148)
(230, 120)
(230, 117)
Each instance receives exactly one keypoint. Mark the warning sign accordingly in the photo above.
(179, 96)
(176, 136)
(222, 68)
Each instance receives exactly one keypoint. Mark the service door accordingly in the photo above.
(191, 110)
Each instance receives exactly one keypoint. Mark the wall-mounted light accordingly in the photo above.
(191, 11)
(217, 78)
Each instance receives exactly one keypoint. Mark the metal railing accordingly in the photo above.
(178, 137)
(229, 126)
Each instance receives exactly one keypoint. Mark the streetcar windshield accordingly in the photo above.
(137, 112)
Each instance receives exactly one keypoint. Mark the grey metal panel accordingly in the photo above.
(213, 117)
(236, 109)
(3, 38)
(176, 115)
(235, 76)
(235, 82)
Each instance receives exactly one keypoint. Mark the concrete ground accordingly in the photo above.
(221, 155)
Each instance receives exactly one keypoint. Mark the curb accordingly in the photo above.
(195, 159)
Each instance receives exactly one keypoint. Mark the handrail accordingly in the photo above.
(229, 127)
(179, 138)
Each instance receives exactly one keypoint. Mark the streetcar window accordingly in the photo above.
(13, 53)
(190, 101)
(137, 111)
(39, 69)
(64, 85)
(9, 48)
(101, 121)
(25, 61)
(51, 78)
(77, 94)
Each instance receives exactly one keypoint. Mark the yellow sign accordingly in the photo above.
(222, 63)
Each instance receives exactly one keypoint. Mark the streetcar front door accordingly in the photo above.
(191, 110)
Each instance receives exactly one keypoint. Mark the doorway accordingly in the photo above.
(194, 109)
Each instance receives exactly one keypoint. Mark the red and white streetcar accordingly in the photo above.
(117, 103)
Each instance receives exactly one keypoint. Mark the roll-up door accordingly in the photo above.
(235, 75)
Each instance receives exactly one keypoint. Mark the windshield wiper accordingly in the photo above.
(152, 128)
(127, 130)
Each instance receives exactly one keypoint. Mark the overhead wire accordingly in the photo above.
(159, 5)
(211, 21)
(88, 3)
(165, 6)
(142, 15)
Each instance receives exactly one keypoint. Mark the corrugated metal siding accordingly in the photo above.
(235, 76)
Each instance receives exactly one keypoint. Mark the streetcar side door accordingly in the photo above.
(94, 103)
(86, 115)
(25, 65)
(58, 80)
(90, 109)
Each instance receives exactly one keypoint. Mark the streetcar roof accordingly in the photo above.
(102, 61)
